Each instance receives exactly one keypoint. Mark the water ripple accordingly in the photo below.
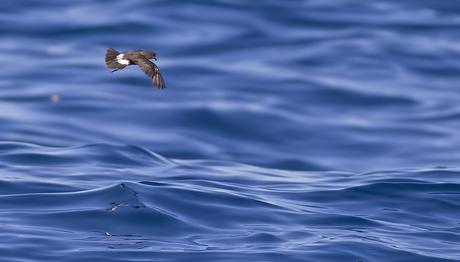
(295, 130)
(159, 205)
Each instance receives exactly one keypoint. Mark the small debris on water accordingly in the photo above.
(55, 98)
(114, 207)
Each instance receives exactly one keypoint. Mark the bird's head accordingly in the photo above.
(149, 54)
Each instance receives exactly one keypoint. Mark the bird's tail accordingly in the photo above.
(111, 58)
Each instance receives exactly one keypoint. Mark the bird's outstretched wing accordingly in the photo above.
(149, 69)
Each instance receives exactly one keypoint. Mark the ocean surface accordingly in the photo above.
(316, 130)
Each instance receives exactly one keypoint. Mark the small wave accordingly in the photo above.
(162, 205)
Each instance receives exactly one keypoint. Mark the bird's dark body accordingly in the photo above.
(117, 61)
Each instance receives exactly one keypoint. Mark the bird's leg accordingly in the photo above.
(119, 68)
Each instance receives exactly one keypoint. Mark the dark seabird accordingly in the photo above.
(117, 61)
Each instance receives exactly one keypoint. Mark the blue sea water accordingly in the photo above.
(313, 130)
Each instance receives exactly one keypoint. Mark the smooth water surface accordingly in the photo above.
(289, 131)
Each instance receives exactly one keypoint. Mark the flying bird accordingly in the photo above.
(117, 61)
